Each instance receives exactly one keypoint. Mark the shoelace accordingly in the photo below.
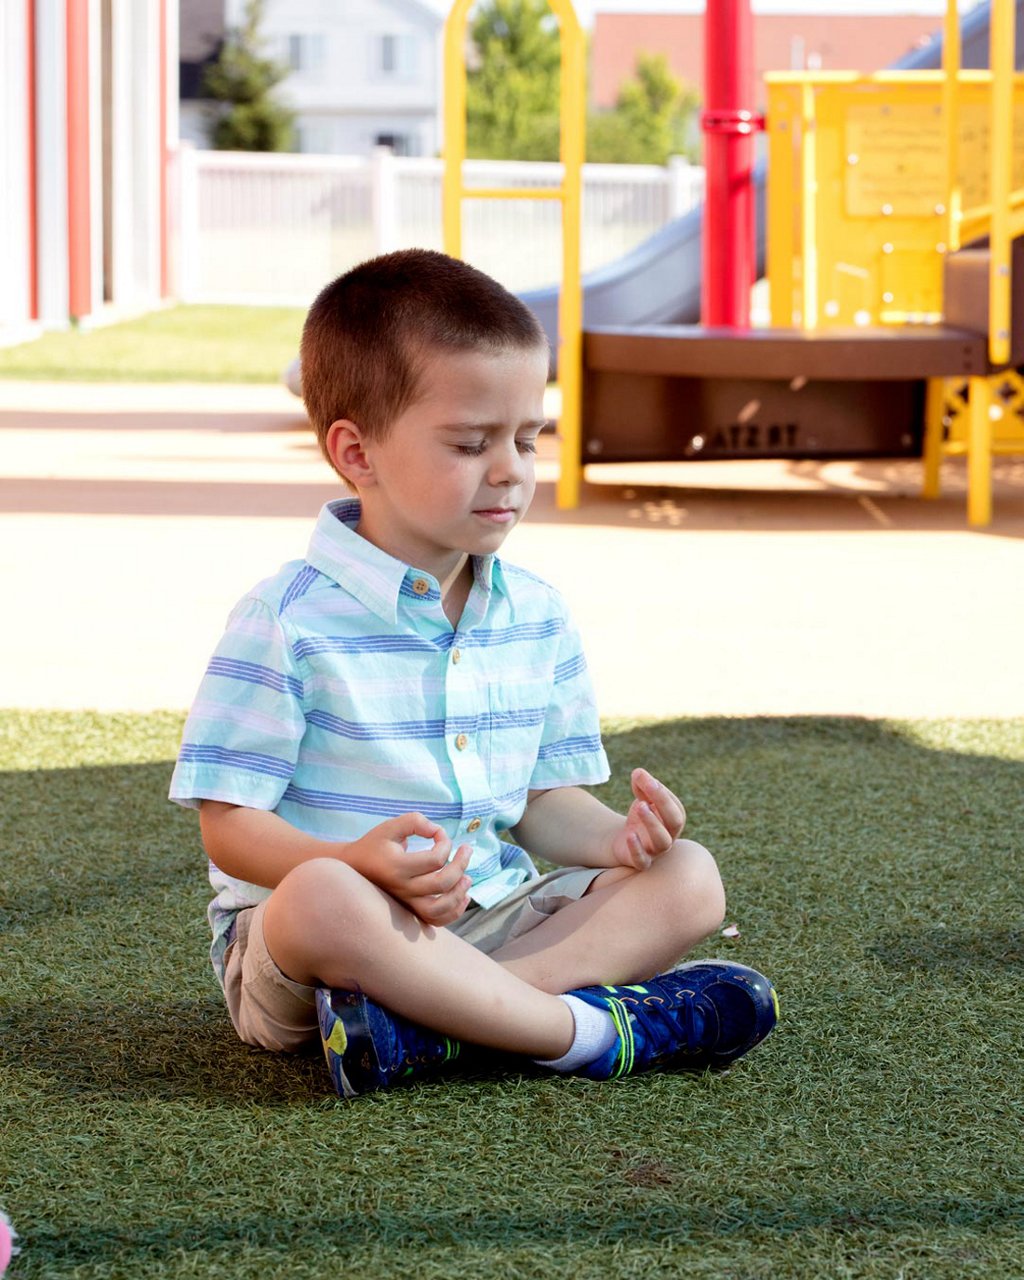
(670, 1022)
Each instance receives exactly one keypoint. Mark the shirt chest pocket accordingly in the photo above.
(515, 724)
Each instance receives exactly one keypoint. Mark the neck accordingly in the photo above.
(455, 589)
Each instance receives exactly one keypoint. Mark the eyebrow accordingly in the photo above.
(537, 424)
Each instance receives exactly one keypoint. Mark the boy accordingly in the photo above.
(376, 714)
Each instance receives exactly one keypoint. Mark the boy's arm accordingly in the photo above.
(260, 847)
(571, 827)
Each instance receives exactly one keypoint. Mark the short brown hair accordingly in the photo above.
(366, 334)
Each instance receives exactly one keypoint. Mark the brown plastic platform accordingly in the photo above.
(965, 292)
(909, 352)
(678, 392)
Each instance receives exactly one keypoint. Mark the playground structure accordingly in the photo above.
(895, 209)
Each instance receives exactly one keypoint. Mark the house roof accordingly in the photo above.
(201, 29)
(782, 42)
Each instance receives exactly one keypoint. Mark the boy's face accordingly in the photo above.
(455, 473)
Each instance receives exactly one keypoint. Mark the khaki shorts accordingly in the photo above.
(273, 1012)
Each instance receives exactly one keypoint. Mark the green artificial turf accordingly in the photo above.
(875, 871)
(180, 344)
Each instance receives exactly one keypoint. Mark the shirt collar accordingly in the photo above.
(370, 574)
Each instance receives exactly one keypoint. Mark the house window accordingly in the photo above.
(397, 55)
(400, 143)
(307, 51)
(315, 137)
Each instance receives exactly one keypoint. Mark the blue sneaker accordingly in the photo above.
(367, 1048)
(703, 1014)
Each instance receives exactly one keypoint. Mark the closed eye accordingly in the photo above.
(475, 450)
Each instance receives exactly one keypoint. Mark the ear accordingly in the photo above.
(346, 449)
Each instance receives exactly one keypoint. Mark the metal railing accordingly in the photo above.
(273, 229)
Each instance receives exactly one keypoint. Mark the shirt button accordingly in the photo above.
(462, 742)
(475, 825)
(421, 586)
(456, 656)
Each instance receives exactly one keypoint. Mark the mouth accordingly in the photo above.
(499, 515)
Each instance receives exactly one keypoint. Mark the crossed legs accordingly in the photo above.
(327, 925)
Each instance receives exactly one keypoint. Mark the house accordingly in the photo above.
(838, 40)
(88, 120)
(200, 36)
(362, 73)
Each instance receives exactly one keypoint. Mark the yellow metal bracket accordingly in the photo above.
(976, 418)
(572, 111)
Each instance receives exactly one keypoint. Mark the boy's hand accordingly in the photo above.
(654, 822)
(423, 880)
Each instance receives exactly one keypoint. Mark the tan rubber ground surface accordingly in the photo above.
(132, 518)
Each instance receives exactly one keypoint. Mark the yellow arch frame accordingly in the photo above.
(572, 115)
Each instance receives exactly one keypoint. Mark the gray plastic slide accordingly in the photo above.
(658, 282)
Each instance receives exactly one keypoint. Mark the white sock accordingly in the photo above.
(595, 1034)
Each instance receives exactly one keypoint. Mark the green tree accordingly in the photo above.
(247, 117)
(513, 82)
(652, 119)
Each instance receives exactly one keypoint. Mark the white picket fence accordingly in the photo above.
(273, 229)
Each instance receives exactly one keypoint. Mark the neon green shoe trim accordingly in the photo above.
(624, 1030)
(337, 1041)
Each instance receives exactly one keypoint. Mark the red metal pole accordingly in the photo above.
(78, 134)
(33, 203)
(729, 123)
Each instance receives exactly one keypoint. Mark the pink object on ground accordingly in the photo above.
(7, 1248)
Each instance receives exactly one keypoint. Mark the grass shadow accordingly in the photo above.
(951, 950)
(153, 1049)
(478, 1234)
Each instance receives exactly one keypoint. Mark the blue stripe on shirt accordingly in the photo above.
(254, 673)
(572, 667)
(569, 747)
(300, 584)
(519, 633)
(384, 730)
(310, 645)
(250, 761)
(382, 807)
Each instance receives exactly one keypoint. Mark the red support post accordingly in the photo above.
(729, 123)
(79, 175)
(33, 166)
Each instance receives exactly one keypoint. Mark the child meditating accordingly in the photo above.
(391, 727)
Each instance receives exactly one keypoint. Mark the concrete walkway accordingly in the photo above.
(132, 518)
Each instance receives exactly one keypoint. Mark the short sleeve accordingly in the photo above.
(242, 736)
(570, 753)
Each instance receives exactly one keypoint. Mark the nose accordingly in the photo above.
(509, 467)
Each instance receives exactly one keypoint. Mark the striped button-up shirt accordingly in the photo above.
(341, 695)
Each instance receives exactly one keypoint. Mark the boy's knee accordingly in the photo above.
(317, 892)
(699, 895)
(320, 908)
